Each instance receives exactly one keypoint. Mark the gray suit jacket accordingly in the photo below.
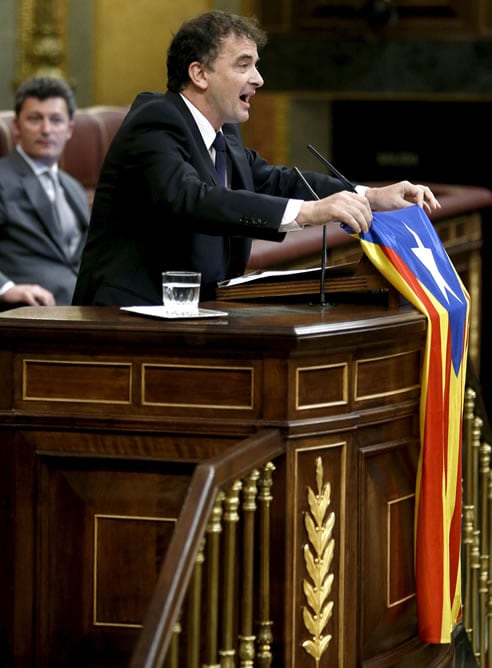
(30, 247)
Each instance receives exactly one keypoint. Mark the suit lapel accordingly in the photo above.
(41, 203)
(241, 172)
(38, 198)
(73, 199)
(199, 145)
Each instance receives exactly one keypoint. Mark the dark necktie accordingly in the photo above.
(220, 157)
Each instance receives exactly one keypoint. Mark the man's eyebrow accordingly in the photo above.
(247, 56)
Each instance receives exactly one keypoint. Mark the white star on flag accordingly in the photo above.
(426, 257)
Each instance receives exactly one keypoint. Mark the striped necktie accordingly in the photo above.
(67, 221)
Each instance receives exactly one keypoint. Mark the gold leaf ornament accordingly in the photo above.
(318, 557)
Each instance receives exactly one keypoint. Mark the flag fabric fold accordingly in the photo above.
(404, 246)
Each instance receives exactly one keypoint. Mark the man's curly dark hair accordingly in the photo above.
(43, 88)
(200, 38)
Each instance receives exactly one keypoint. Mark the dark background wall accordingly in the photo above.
(371, 63)
(390, 89)
(414, 109)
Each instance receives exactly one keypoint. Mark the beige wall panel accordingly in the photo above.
(131, 40)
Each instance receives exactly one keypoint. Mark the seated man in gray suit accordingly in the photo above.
(44, 212)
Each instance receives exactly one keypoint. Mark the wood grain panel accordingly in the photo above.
(188, 385)
(127, 554)
(400, 585)
(86, 382)
(104, 526)
(321, 386)
(387, 375)
(386, 522)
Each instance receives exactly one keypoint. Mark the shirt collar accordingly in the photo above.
(206, 129)
(37, 166)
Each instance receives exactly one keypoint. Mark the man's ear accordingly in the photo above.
(198, 75)
(15, 128)
(70, 129)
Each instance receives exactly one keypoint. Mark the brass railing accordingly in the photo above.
(477, 525)
(211, 606)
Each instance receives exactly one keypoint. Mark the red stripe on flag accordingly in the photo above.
(437, 551)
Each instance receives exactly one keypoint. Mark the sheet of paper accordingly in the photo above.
(160, 312)
(260, 275)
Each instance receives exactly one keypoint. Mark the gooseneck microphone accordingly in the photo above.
(322, 299)
(350, 186)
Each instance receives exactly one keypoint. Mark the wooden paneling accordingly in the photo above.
(64, 380)
(486, 14)
(387, 504)
(91, 490)
(103, 526)
(220, 388)
(396, 18)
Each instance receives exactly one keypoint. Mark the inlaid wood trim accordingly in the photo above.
(172, 384)
(72, 381)
(97, 519)
(397, 381)
(312, 383)
(389, 508)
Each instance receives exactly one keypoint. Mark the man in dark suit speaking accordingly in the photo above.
(160, 203)
(44, 212)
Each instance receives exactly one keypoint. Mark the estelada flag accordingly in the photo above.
(404, 246)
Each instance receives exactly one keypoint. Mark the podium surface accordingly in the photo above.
(99, 408)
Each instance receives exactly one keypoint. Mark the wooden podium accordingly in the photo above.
(318, 284)
(101, 411)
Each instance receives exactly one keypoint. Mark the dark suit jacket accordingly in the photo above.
(30, 247)
(158, 206)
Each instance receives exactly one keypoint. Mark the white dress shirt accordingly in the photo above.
(208, 133)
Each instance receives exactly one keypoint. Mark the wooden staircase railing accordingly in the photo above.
(213, 496)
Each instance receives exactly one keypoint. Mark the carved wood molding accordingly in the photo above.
(41, 39)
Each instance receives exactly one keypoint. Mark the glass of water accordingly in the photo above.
(181, 291)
